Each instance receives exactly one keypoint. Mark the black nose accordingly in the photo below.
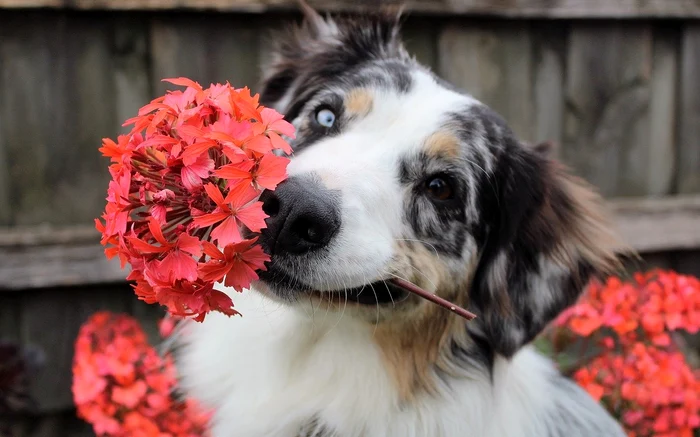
(303, 217)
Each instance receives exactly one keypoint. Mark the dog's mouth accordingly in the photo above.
(376, 293)
(381, 292)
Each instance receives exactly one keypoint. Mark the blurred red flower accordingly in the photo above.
(124, 388)
(641, 376)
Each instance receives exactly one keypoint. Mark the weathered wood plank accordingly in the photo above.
(5, 211)
(74, 258)
(47, 235)
(549, 43)
(130, 67)
(689, 151)
(208, 49)
(57, 104)
(9, 317)
(662, 112)
(22, 120)
(516, 68)
(606, 133)
(500, 8)
(492, 62)
(56, 265)
(50, 320)
(659, 224)
(420, 36)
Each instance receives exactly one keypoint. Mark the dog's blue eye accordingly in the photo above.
(325, 117)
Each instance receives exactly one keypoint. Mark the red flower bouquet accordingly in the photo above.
(188, 175)
(124, 388)
(640, 374)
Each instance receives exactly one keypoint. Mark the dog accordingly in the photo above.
(396, 174)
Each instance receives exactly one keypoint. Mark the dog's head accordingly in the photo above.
(396, 174)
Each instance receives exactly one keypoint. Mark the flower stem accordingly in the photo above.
(434, 298)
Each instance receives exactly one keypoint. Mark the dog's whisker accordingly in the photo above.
(337, 322)
(376, 320)
(376, 298)
(393, 304)
(420, 272)
(404, 298)
(432, 246)
(313, 310)
(328, 296)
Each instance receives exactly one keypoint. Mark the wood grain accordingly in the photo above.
(5, 207)
(9, 317)
(549, 55)
(499, 8)
(606, 126)
(492, 62)
(57, 94)
(50, 320)
(420, 37)
(208, 49)
(25, 89)
(661, 162)
(659, 224)
(56, 265)
(689, 114)
(130, 60)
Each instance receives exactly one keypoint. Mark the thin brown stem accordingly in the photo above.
(434, 298)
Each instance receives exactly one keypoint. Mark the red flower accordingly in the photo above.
(137, 399)
(166, 325)
(129, 396)
(193, 299)
(119, 152)
(117, 211)
(266, 173)
(236, 263)
(194, 170)
(275, 123)
(236, 209)
(641, 376)
(178, 261)
(161, 202)
(191, 171)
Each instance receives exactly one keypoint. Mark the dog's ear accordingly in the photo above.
(546, 234)
(321, 48)
(317, 25)
(291, 50)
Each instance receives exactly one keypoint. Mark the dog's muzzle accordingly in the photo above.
(303, 217)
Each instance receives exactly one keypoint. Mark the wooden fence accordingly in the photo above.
(613, 83)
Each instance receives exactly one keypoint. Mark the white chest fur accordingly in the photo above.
(273, 370)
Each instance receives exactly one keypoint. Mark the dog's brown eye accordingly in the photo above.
(439, 188)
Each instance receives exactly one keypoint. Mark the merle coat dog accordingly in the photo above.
(397, 174)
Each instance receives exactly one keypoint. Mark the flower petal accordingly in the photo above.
(227, 232)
